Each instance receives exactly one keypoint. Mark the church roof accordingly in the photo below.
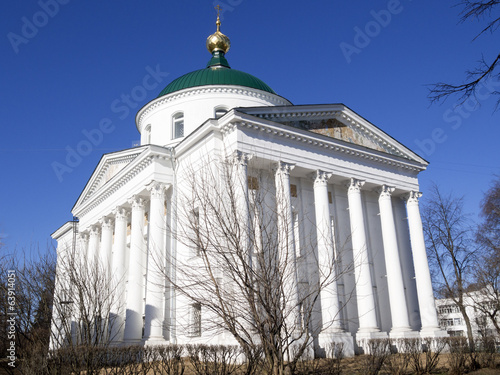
(218, 71)
(218, 75)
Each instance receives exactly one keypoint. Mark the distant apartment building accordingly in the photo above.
(477, 303)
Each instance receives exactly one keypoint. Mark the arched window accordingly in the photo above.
(178, 125)
(220, 111)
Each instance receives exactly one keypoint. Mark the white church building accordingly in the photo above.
(344, 193)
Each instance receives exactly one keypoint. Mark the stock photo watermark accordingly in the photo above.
(455, 116)
(363, 36)
(30, 26)
(226, 7)
(122, 107)
(11, 318)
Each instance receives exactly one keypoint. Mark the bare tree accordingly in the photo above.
(26, 303)
(486, 70)
(85, 296)
(487, 296)
(452, 251)
(245, 269)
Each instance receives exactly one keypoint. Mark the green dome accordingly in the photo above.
(217, 72)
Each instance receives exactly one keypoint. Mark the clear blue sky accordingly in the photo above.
(64, 72)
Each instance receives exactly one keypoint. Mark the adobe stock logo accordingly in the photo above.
(31, 26)
(229, 7)
(364, 36)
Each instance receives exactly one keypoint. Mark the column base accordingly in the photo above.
(403, 333)
(152, 341)
(363, 336)
(326, 338)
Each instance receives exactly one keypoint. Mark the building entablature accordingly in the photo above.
(345, 160)
(329, 119)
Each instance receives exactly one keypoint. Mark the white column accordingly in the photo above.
(240, 183)
(93, 248)
(427, 307)
(135, 285)
(397, 298)
(106, 246)
(327, 263)
(364, 288)
(286, 242)
(153, 330)
(326, 257)
(117, 318)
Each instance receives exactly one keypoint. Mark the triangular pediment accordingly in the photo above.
(109, 166)
(338, 122)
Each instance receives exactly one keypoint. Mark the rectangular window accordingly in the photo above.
(293, 190)
(195, 320)
(179, 126)
(330, 200)
(253, 183)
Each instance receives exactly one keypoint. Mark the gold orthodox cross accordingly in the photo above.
(218, 9)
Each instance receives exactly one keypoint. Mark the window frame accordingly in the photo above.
(177, 122)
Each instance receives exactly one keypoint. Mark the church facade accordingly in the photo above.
(345, 198)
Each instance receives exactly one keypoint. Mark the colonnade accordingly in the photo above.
(106, 241)
(365, 298)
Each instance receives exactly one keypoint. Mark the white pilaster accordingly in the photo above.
(153, 330)
(327, 262)
(286, 243)
(427, 307)
(106, 246)
(93, 247)
(135, 285)
(117, 323)
(82, 255)
(397, 298)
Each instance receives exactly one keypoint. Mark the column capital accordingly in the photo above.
(321, 178)
(385, 191)
(137, 202)
(412, 197)
(284, 168)
(106, 222)
(241, 158)
(156, 189)
(84, 236)
(121, 213)
(95, 229)
(354, 185)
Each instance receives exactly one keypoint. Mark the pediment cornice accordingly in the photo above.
(344, 115)
(137, 160)
(316, 140)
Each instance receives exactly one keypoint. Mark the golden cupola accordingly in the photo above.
(218, 41)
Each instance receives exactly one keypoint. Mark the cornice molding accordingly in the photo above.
(93, 201)
(341, 116)
(102, 173)
(327, 144)
(189, 92)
